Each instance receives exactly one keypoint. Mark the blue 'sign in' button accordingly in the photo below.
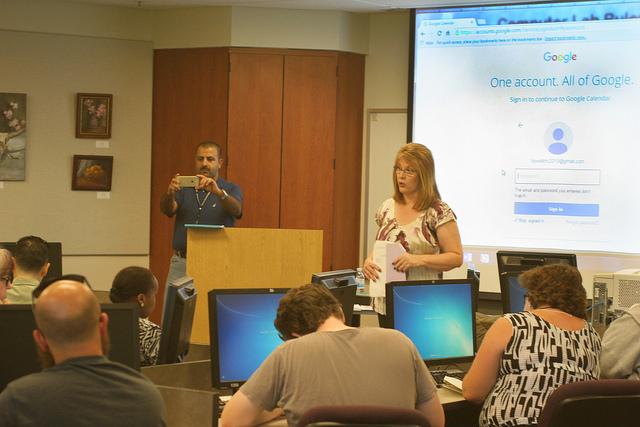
(551, 208)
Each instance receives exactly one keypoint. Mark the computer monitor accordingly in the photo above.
(346, 296)
(241, 332)
(55, 257)
(511, 264)
(123, 333)
(437, 315)
(342, 284)
(177, 320)
(334, 278)
(19, 355)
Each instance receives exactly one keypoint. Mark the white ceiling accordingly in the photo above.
(344, 5)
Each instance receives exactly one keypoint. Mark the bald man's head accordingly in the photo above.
(67, 313)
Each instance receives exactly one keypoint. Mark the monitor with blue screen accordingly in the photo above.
(241, 331)
(437, 315)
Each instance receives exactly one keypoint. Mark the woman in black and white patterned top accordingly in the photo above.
(525, 356)
(138, 285)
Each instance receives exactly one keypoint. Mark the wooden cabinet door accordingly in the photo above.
(255, 135)
(189, 106)
(348, 170)
(308, 142)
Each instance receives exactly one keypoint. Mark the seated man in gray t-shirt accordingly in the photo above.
(330, 363)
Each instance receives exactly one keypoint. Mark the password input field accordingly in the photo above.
(558, 176)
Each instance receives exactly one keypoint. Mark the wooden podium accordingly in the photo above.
(231, 258)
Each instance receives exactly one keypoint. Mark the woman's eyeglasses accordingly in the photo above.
(7, 279)
(407, 172)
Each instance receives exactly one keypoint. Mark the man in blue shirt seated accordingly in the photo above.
(212, 201)
(325, 362)
(79, 385)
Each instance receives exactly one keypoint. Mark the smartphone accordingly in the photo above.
(188, 181)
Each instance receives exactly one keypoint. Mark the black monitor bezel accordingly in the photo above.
(534, 259)
(322, 277)
(54, 250)
(169, 313)
(135, 316)
(351, 288)
(108, 308)
(8, 366)
(213, 330)
(473, 288)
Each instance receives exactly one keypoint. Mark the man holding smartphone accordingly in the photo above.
(201, 199)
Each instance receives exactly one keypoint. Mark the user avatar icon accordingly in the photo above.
(558, 138)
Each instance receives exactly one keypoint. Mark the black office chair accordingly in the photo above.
(362, 415)
(593, 404)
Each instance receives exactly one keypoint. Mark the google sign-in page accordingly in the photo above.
(533, 116)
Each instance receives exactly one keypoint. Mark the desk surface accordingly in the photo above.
(448, 397)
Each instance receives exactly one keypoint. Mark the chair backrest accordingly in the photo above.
(593, 403)
(362, 415)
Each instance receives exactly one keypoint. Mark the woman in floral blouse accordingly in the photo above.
(418, 219)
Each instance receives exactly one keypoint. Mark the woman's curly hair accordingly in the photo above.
(557, 286)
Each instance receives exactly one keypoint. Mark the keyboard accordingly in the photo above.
(438, 376)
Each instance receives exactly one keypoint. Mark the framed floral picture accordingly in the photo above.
(13, 136)
(91, 173)
(93, 115)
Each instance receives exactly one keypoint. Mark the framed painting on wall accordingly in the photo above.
(93, 115)
(13, 136)
(91, 173)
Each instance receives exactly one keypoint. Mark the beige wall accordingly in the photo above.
(387, 62)
(301, 29)
(191, 27)
(62, 17)
(259, 27)
(51, 68)
(385, 88)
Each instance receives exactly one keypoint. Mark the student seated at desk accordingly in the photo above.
(526, 356)
(30, 265)
(329, 363)
(138, 285)
(620, 357)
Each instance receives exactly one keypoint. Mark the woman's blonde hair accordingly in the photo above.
(419, 158)
(6, 262)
